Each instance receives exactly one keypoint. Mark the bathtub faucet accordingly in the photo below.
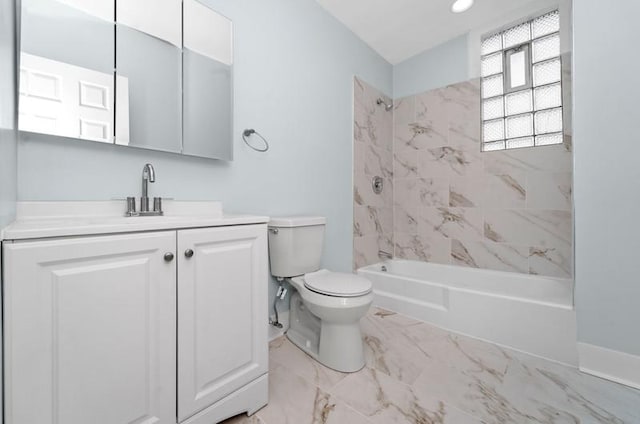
(385, 255)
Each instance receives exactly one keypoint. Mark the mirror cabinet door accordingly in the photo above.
(66, 87)
(149, 74)
(173, 62)
(208, 82)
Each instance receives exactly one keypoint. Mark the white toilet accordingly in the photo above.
(327, 306)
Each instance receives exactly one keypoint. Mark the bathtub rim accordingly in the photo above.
(568, 305)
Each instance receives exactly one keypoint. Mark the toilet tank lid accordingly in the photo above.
(297, 221)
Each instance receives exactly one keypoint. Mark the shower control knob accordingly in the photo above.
(188, 253)
(168, 257)
(377, 184)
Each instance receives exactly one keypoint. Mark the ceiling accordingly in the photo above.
(399, 29)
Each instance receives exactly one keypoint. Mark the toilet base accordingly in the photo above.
(337, 346)
(341, 347)
(304, 327)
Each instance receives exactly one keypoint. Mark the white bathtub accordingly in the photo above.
(529, 313)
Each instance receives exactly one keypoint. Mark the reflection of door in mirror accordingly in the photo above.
(61, 99)
(208, 83)
(66, 87)
(149, 74)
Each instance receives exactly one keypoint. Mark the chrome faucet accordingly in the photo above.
(148, 176)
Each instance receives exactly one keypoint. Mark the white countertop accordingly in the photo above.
(62, 219)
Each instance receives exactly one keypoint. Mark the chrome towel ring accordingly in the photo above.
(248, 133)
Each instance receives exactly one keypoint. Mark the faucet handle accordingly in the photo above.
(157, 204)
(131, 206)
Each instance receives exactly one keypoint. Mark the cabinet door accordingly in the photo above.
(90, 330)
(222, 313)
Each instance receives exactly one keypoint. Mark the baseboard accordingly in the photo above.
(610, 364)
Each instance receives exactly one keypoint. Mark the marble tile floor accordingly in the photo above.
(418, 373)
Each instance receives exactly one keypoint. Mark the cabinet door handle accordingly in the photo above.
(168, 257)
(188, 253)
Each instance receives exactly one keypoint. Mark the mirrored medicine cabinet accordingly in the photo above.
(110, 71)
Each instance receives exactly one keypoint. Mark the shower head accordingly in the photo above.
(387, 106)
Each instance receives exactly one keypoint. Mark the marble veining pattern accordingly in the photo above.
(418, 373)
(445, 201)
(507, 210)
(372, 156)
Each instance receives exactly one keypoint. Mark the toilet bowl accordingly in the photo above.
(335, 339)
(326, 307)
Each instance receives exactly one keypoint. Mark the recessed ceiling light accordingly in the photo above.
(460, 6)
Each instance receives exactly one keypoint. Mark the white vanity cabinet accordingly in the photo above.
(222, 307)
(90, 330)
(133, 328)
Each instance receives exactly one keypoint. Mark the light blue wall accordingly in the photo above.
(442, 65)
(607, 173)
(7, 114)
(294, 68)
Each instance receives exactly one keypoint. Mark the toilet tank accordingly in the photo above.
(295, 245)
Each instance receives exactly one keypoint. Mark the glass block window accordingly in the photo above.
(522, 85)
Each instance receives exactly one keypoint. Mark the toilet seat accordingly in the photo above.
(337, 284)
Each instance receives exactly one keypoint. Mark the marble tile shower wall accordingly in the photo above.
(373, 156)
(508, 210)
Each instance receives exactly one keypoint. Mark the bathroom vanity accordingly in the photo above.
(111, 319)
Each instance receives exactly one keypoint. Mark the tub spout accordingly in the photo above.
(384, 255)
